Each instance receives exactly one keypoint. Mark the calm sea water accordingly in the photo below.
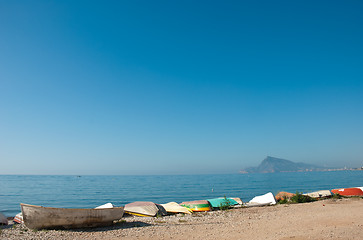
(91, 191)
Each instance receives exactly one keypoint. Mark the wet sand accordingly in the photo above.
(327, 219)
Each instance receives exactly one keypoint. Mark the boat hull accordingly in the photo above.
(145, 209)
(357, 191)
(221, 202)
(173, 207)
(319, 194)
(37, 217)
(266, 198)
(197, 206)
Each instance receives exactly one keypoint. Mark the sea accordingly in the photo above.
(89, 191)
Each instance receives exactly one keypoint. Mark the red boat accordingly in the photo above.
(356, 191)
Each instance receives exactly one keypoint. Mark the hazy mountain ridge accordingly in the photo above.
(272, 164)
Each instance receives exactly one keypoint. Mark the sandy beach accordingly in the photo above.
(327, 219)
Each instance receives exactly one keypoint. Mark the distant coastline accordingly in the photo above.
(273, 165)
(310, 170)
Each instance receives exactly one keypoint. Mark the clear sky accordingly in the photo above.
(178, 87)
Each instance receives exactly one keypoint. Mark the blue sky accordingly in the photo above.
(178, 87)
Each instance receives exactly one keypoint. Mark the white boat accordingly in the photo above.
(319, 194)
(106, 205)
(37, 217)
(18, 218)
(266, 199)
(254, 204)
(145, 209)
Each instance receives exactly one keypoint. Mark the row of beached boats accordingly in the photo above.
(346, 192)
(38, 217)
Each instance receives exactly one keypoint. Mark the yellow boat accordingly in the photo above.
(197, 206)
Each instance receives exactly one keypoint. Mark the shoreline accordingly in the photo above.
(331, 218)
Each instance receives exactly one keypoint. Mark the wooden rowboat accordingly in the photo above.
(37, 217)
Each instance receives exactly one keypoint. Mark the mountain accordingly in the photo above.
(272, 164)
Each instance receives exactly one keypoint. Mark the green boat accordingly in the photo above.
(197, 206)
(222, 202)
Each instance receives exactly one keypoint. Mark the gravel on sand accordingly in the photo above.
(326, 219)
